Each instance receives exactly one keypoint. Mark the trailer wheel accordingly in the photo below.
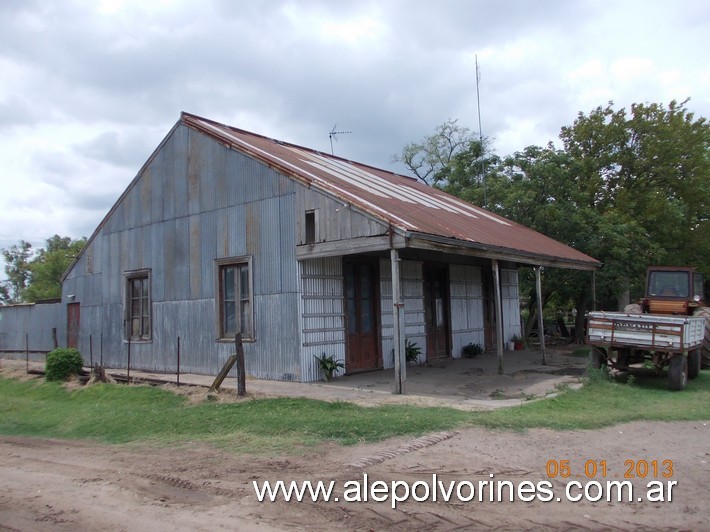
(678, 372)
(596, 358)
(694, 363)
(705, 356)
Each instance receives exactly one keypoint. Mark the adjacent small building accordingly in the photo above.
(225, 231)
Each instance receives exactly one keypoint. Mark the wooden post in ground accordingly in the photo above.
(178, 362)
(540, 322)
(128, 366)
(241, 372)
(27, 352)
(499, 314)
(54, 337)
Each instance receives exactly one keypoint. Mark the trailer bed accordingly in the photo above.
(672, 334)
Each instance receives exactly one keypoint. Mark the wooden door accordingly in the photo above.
(436, 312)
(73, 320)
(362, 326)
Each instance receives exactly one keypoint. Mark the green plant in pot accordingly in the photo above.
(519, 342)
(328, 365)
(412, 352)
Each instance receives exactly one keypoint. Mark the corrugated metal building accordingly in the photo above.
(304, 253)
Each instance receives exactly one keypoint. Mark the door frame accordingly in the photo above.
(73, 334)
(442, 269)
(376, 314)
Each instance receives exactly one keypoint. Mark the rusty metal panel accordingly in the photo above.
(208, 252)
(398, 200)
(195, 260)
(287, 244)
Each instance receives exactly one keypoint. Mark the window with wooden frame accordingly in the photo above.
(138, 302)
(236, 309)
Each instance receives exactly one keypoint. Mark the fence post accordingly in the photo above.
(91, 352)
(128, 366)
(27, 352)
(178, 361)
(241, 377)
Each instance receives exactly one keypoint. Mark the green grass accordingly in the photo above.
(142, 414)
(603, 402)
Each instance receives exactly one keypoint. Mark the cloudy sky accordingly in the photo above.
(89, 88)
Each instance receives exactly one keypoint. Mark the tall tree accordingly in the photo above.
(33, 276)
(630, 188)
(430, 158)
(17, 260)
(48, 266)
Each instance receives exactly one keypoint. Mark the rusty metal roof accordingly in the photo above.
(405, 203)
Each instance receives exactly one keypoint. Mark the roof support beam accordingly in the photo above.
(400, 362)
(499, 315)
(540, 324)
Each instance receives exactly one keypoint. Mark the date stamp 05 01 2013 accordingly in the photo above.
(640, 469)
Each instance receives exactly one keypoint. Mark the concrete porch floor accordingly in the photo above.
(468, 384)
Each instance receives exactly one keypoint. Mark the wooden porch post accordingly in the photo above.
(499, 315)
(540, 321)
(400, 364)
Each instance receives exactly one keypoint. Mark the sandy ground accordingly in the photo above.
(60, 485)
(63, 485)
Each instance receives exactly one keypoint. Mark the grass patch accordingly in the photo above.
(604, 401)
(122, 414)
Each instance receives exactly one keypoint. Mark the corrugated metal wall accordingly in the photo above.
(511, 303)
(195, 202)
(35, 321)
(411, 275)
(466, 293)
(322, 313)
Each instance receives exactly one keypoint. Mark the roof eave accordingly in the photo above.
(438, 243)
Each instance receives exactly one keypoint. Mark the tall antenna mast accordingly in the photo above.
(480, 132)
(333, 135)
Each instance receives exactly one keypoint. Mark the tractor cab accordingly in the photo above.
(673, 290)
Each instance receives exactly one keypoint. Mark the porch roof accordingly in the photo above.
(428, 218)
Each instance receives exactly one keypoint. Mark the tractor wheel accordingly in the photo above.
(694, 363)
(705, 357)
(678, 373)
(596, 358)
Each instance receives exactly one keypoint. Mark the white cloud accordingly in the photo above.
(90, 89)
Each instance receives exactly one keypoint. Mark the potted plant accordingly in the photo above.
(328, 365)
(412, 352)
(471, 350)
(518, 341)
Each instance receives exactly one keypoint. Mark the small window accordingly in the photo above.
(138, 326)
(310, 227)
(235, 300)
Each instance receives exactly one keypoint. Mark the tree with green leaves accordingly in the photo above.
(17, 260)
(34, 276)
(630, 188)
(431, 159)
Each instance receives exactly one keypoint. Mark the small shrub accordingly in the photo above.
(61, 363)
(471, 350)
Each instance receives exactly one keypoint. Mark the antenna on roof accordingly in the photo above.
(334, 135)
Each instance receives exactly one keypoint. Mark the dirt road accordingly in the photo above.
(59, 485)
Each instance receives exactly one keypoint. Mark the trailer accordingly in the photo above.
(620, 340)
